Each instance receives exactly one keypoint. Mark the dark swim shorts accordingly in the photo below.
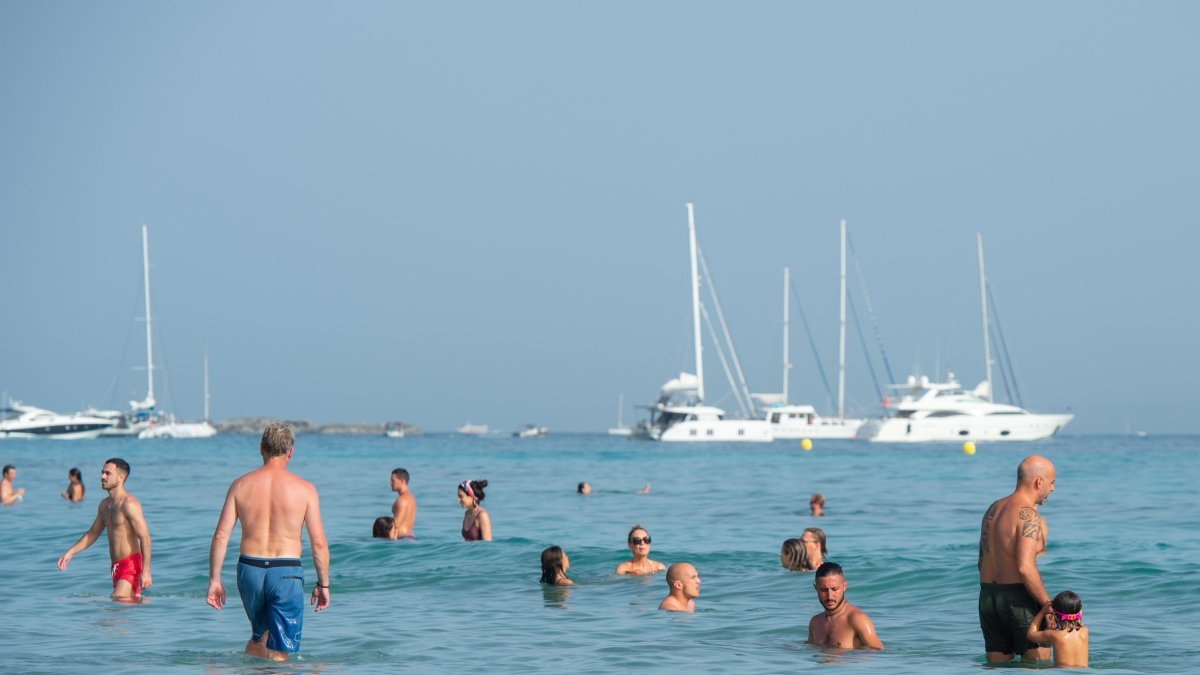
(1005, 612)
(272, 591)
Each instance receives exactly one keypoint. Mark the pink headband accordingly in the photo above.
(466, 487)
(1068, 617)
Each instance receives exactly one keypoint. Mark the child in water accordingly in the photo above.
(1064, 632)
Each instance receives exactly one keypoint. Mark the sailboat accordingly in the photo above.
(796, 421)
(680, 413)
(174, 429)
(944, 411)
(620, 429)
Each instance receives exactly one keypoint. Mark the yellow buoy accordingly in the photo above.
(806, 444)
(968, 448)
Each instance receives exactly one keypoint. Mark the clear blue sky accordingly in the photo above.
(442, 212)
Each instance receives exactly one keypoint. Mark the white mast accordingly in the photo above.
(206, 383)
(786, 363)
(696, 303)
(620, 409)
(149, 402)
(987, 352)
(841, 410)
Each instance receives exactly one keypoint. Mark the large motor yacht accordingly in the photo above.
(26, 421)
(944, 411)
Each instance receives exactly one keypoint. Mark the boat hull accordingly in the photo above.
(179, 430)
(825, 429)
(69, 432)
(700, 431)
(1031, 427)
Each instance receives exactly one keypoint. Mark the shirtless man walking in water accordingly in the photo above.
(1011, 592)
(128, 537)
(404, 509)
(272, 504)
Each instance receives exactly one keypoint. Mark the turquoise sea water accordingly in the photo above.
(902, 520)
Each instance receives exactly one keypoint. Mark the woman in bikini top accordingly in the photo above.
(476, 525)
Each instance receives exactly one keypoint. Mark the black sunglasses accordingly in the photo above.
(639, 540)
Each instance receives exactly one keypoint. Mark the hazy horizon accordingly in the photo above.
(475, 212)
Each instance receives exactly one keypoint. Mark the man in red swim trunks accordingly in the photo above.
(128, 536)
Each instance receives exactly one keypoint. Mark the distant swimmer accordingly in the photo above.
(639, 544)
(74, 491)
(816, 504)
(683, 584)
(9, 495)
(645, 489)
(128, 536)
(585, 488)
(1011, 537)
(841, 625)
(806, 553)
(273, 505)
(555, 564)
(477, 524)
(404, 509)
(1065, 632)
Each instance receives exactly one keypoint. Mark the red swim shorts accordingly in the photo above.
(129, 568)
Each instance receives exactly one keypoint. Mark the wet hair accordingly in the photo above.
(382, 529)
(633, 529)
(580, 488)
(552, 565)
(793, 553)
(829, 569)
(476, 487)
(78, 475)
(817, 498)
(7, 468)
(277, 439)
(1067, 602)
(401, 474)
(121, 465)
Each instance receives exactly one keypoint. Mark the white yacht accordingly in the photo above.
(793, 421)
(944, 411)
(26, 421)
(680, 413)
(531, 431)
(173, 429)
(469, 429)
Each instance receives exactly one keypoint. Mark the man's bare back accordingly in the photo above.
(271, 504)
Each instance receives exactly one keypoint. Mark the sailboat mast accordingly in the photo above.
(786, 363)
(841, 410)
(206, 384)
(987, 351)
(696, 303)
(149, 338)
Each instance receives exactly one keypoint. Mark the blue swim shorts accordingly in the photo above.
(272, 591)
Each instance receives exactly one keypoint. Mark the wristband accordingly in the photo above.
(320, 586)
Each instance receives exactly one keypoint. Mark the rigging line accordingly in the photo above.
(812, 343)
(166, 369)
(712, 292)
(110, 395)
(862, 281)
(1008, 394)
(724, 363)
(862, 341)
(1012, 373)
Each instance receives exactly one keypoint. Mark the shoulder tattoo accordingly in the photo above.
(1031, 524)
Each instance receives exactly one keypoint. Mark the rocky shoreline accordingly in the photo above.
(255, 426)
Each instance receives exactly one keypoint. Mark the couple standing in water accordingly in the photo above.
(476, 525)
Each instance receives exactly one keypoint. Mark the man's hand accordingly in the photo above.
(63, 561)
(146, 581)
(216, 595)
(320, 597)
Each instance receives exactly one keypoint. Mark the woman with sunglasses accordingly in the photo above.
(476, 525)
(640, 563)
